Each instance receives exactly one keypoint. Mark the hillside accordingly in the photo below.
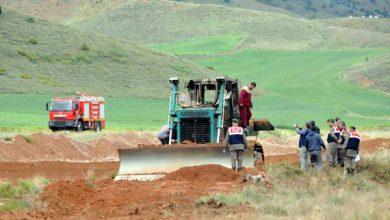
(372, 73)
(245, 4)
(378, 25)
(156, 22)
(333, 8)
(63, 11)
(39, 57)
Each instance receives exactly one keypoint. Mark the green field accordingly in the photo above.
(27, 113)
(296, 86)
(207, 45)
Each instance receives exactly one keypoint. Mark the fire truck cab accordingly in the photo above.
(79, 113)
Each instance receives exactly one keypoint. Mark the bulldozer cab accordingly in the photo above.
(205, 111)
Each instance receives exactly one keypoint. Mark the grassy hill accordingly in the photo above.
(372, 73)
(333, 8)
(310, 8)
(377, 25)
(245, 4)
(61, 11)
(38, 57)
(157, 22)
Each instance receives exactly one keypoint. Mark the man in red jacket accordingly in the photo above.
(245, 104)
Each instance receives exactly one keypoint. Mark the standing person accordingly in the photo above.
(302, 148)
(237, 143)
(342, 135)
(245, 104)
(313, 125)
(314, 143)
(332, 143)
(351, 144)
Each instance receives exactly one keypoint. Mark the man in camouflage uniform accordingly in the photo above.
(342, 131)
(351, 144)
(332, 139)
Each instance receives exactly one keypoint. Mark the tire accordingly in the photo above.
(97, 126)
(53, 129)
(79, 126)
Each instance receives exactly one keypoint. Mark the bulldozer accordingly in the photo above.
(200, 118)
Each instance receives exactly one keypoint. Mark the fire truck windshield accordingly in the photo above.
(61, 106)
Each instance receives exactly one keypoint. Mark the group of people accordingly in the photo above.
(342, 147)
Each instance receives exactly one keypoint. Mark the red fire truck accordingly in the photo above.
(80, 113)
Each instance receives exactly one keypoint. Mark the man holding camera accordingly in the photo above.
(302, 148)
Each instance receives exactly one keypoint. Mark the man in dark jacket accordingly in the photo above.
(314, 143)
(302, 140)
(237, 143)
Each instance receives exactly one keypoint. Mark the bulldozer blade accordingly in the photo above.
(262, 125)
(153, 162)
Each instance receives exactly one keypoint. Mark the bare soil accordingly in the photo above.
(86, 190)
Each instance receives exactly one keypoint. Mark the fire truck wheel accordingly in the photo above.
(79, 126)
(97, 126)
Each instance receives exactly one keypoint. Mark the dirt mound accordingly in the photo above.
(174, 195)
(67, 198)
(41, 147)
(58, 147)
(204, 173)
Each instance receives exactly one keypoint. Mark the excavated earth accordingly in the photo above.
(82, 185)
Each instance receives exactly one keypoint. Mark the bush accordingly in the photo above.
(27, 138)
(84, 47)
(2, 71)
(30, 20)
(7, 138)
(30, 56)
(25, 187)
(22, 195)
(210, 68)
(47, 80)
(275, 210)
(7, 190)
(21, 52)
(32, 41)
(25, 76)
